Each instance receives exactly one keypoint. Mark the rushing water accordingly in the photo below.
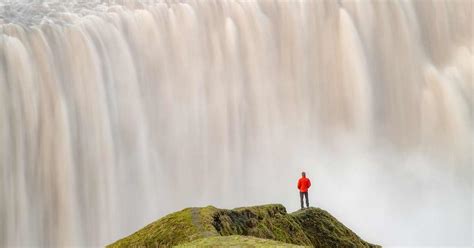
(114, 114)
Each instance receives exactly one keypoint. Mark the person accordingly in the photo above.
(303, 185)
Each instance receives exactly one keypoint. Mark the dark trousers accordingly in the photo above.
(305, 194)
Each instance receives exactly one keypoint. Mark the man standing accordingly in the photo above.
(303, 185)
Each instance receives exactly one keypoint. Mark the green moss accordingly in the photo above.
(267, 221)
(236, 241)
(210, 225)
(167, 231)
(326, 231)
(206, 216)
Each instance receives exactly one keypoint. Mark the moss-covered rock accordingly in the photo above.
(237, 241)
(267, 221)
(168, 231)
(210, 225)
(326, 231)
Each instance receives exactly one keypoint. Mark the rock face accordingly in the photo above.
(211, 226)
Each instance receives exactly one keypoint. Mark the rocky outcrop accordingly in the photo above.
(253, 226)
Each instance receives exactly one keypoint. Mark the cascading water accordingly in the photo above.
(114, 113)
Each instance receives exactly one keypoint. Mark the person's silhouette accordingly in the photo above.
(303, 185)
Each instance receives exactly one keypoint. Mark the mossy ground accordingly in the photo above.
(326, 231)
(309, 227)
(166, 232)
(237, 241)
(267, 221)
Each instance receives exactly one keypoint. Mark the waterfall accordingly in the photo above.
(114, 113)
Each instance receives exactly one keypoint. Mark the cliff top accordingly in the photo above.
(256, 226)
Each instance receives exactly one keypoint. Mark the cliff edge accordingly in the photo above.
(258, 226)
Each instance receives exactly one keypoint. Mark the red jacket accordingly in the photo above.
(304, 184)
